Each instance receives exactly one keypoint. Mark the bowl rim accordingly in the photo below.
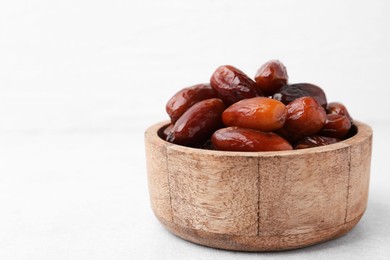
(364, 131)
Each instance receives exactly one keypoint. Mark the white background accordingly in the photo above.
(80, 81)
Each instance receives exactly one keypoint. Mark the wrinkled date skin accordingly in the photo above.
(232, 84)
(314, 141)
(259, 113)
(289, 93)
(186, 98)
(197, 123)
(271, 77)
(248, 140)
(305, 117)
(336, 126)
(337, 108)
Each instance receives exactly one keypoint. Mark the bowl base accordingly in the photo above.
(259, 243)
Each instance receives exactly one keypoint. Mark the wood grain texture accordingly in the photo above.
(259, 201)
(219, 197)
(297, 192)
(359, 178)
(156, 161)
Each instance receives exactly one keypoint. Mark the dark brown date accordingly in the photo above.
(248, 140)
(232, 84)
(271, 77)
(207, 145)
(289, 93)
(260, 113)
(337, 108)
(187, 97)
(305, 116)
(197, 123)
(336, 126)
(164, 132)
(314, 141)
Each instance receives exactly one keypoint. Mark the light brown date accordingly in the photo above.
(248, 140)
(258, 113)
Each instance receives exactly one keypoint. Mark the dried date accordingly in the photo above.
(289, 93)
(232, 84)
(248, 140)
(314, 141)
(187, 97)
(258, 113)
(305, 116)
(271, 77)
(197, 123)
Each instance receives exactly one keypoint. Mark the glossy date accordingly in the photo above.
(197, 123)
(314, 141)
(187, 97)
(289, 93)
(271, 77)
(258, 113)
(305, 116)
(232, 84)
(337, 108)
(336, 126)
(248, 140)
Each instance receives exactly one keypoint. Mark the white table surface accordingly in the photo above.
(80, 81)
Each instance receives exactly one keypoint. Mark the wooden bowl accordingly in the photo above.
(259, 201)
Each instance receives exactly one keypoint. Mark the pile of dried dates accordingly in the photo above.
(235, 113)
